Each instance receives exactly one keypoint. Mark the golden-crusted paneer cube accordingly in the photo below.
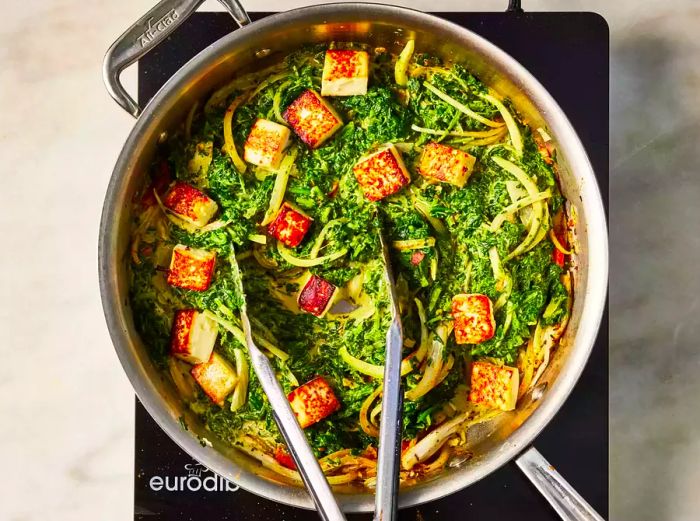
(313, 401)
(494, 386)
(193, 336)
(312, 119)
(216, 377)
(446, 164)
(191, 268)
(190, 205)
(345, 73)
(266, 143)
(382, 173)
(473, 318)
(290, 225)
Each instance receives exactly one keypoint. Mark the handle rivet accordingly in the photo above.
(263, 53)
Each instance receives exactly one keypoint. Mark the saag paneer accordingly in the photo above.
(294, 170)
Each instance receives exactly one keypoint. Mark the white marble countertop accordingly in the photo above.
(66, 438)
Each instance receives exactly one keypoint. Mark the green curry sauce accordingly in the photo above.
(529, 290)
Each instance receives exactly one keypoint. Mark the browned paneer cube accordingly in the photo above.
(345, 73)
(312, 119)
(473, 318)
(189, 204)
(494, 386)
(446, 164)
(313, 401)
(216, 377)
(316, 296)
(193, 336)
(382, 173)
(290, 225)
(266, 143)
(191, 268)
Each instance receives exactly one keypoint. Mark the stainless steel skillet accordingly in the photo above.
(389, 27)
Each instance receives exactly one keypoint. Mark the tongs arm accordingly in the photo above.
(389, 458)
(299, 448)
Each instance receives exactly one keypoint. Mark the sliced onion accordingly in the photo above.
(424, 209)
(558, 245)
(272, 348)
(515, 137)
(429, 445)
(461, 133)
(180, 373)
(432, 372)
(460, 106)
(424, 337)
(277, 99)
(445, 369)
(245, 445)
(240, 393)
(519, 205)
(278, 191)
(537, 206)
(495, 263)
(307, 263)
(229, 144)
(228, 326)
(365, 423)
(481, 142)
(439, 463)
(375, 371)
(240, 336)
(316, 248)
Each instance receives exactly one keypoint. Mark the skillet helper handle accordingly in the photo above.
(151, 29)
(561, 496)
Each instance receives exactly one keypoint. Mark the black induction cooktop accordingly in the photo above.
(568, 53)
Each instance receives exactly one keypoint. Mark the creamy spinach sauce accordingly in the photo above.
(529, 288)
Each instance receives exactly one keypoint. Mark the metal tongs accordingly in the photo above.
(387, 491)
(298, 445)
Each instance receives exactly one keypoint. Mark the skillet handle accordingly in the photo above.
(151, 29)
(561, 496)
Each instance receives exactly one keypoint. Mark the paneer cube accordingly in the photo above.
(316, 296)
(446, 164)
(345, 73)
(193, 336)
(266, 143)
(191, 268)
(313, 401)
(312, 119)
(290, 226)
(473, 318)
(494, 386)
(382, 173)
(216, 377)
(190, 205)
